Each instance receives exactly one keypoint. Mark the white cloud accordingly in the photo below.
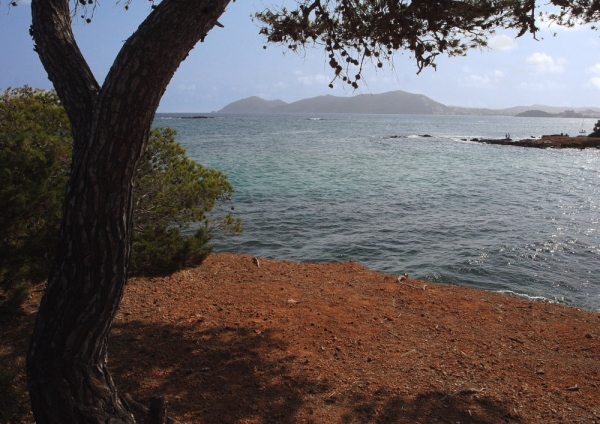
(473, 79)
(190, 87)
(595, 82)
(544, 63)
(593, 69)
(313, 79)
(539, 59)
(502, 42)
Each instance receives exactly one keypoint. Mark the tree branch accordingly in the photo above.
(66, 67)
(143, 69)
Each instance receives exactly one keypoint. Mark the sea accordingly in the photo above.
(411, 194)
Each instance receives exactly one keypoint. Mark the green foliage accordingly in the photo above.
(9, 406)
(575, 12)
(171, 193)
(163, 250)
(355, 33)
(35, 156)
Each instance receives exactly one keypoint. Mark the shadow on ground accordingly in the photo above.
(430, 407)
(237, 374)
(215, 375)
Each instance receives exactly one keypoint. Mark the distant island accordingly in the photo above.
(396, 102)
(570, 113)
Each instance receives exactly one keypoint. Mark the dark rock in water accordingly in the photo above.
(474, 139)
(463, 139)
(397, 136)
(426, 136)
(557, 143)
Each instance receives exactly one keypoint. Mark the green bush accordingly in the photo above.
(162, 250)
(35, 156)
(171, 193)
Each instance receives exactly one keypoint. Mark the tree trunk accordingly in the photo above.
(66, 366)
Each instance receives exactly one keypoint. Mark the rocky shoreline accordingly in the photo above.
(546, 142)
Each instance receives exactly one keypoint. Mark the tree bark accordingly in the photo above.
(66, 365)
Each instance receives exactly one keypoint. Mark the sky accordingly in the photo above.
(231, 64)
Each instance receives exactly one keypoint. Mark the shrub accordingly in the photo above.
(35, 156)
(171, 194)
(163, 250)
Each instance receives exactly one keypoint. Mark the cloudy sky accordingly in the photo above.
(561, 70)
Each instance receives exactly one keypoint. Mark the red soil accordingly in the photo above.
(233, 342)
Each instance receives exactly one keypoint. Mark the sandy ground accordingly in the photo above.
(282, 342)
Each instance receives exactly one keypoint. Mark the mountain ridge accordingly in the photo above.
(391, 102)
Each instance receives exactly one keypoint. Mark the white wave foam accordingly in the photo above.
(529, 297)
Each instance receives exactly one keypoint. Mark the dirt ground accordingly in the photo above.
(282, 342)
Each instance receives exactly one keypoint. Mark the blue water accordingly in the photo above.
(323, 188)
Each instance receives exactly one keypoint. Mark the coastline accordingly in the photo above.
(231, 341)
(547, 142)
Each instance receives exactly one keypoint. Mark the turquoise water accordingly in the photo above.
(369, 188)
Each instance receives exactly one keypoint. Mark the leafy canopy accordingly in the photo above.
(357, 31)
(575, 12)
(171, 193)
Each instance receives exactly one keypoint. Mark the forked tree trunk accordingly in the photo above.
(66, 366)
